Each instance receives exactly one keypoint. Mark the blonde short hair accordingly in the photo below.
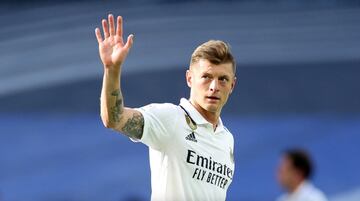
(215, 51)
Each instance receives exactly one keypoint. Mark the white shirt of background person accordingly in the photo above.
(305, 192)
(294, 172)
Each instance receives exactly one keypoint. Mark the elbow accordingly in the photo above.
(107, 122)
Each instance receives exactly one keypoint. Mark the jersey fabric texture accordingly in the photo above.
(189, 161)
(305, 192)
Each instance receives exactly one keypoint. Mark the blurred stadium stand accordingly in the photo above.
(298, 85)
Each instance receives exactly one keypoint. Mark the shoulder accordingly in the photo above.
(228, 132)
(229, 135)
(318, 195)
(313, 194)
(160, 109)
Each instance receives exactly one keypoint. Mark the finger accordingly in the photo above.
(98, 35)
(129, 42)
(105, 28)
(119, 28)
(111, 25)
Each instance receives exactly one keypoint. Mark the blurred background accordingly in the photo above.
(298, 86)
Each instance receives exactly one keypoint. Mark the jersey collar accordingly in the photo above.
(195, 115)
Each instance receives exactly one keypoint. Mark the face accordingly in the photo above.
(286, 173)
(210, 85)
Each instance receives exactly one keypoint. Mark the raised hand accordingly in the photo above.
(112, 49)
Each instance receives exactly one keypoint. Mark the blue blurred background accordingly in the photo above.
(298, 85)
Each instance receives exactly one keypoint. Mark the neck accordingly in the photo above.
(295, 186)
(212, 117)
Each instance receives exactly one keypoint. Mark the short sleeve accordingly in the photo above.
(158, 119)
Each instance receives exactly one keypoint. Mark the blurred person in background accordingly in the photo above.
(190, 150)
(294, 173)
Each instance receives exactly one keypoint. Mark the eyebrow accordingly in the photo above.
(207, 74)
(225, 76)
(211, 75)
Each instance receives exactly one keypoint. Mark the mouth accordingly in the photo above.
(213, 98)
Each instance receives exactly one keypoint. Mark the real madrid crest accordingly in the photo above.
(190, 122)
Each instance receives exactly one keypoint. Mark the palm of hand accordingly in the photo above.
(112, 51)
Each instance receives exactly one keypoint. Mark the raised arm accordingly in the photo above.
(113, 52)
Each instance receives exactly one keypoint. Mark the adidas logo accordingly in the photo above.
(191, 137)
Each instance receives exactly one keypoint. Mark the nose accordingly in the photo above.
(214, 85)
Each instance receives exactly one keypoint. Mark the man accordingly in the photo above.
(294, 173)
(191, 152)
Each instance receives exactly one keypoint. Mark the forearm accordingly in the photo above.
(112, 106)
(113, 113)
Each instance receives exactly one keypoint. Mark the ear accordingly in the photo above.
(189, 78)
(233, 85)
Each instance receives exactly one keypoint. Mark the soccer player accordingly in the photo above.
(190, 150)
(294, 172)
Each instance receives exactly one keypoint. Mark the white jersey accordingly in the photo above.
(305, 192)
(189, 161)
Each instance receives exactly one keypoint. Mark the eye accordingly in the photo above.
(205, 77)
(224, 79)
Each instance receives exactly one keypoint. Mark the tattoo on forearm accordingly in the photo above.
(118, 108)
(134, 126)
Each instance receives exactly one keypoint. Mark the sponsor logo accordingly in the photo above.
(209, 170)
(191, 137)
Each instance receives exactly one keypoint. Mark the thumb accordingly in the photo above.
(129, 42)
